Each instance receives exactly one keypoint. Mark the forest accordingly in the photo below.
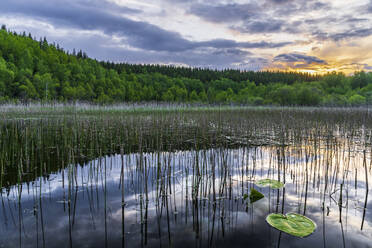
(34, 70)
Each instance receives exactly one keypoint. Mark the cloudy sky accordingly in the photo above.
(301, 35)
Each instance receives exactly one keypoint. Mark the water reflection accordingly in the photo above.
(194, 199)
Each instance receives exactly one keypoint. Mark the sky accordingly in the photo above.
(315, 36)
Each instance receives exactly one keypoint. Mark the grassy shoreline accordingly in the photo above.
(50, 137)
(88, 108)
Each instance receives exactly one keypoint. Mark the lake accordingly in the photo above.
(180, 178)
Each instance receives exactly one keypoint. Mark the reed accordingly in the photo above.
(184, 165)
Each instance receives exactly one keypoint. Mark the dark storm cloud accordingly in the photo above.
(223, 43)
(318, 21)
(84, 15)
(352, 33)
(351, 27)
(356, 20)
(256, 17)
(88, 15)
(297, 57)
(278, 1)
(342, 20)
(231, 51)
(288, 8)
(264, 26)
(225, 12)
(99, 47)
(253, 10)
(247, 18)
(369, 6)
(201, 57)
(357, 33)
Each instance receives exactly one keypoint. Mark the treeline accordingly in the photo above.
(207, 75)
(35, 70)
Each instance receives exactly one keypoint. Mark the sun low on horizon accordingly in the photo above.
(312, 36)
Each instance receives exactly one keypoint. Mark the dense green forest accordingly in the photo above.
(35, 70)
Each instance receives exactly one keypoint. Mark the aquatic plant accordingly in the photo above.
(181, 166)
(274, 184)
(255, 195)
(292, 223)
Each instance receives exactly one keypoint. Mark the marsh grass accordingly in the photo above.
(28, 142)
(210, 155)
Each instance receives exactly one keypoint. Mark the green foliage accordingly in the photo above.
(360, 80)
(357, 99)
(308, 95)
(194, 96)
(285, 95)
(37, 70)
(255, 195)
(274, 184)
(292, 223)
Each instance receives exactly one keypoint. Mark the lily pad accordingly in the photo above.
(292, 223)
(255, 195)
(274, 184)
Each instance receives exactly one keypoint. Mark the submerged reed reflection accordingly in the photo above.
(194, 198)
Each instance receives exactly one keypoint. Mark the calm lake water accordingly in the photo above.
(194, 198)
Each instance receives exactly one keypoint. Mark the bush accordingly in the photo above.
(357, 99)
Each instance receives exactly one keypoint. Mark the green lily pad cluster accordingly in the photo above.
(255, 195)
(291, 223)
